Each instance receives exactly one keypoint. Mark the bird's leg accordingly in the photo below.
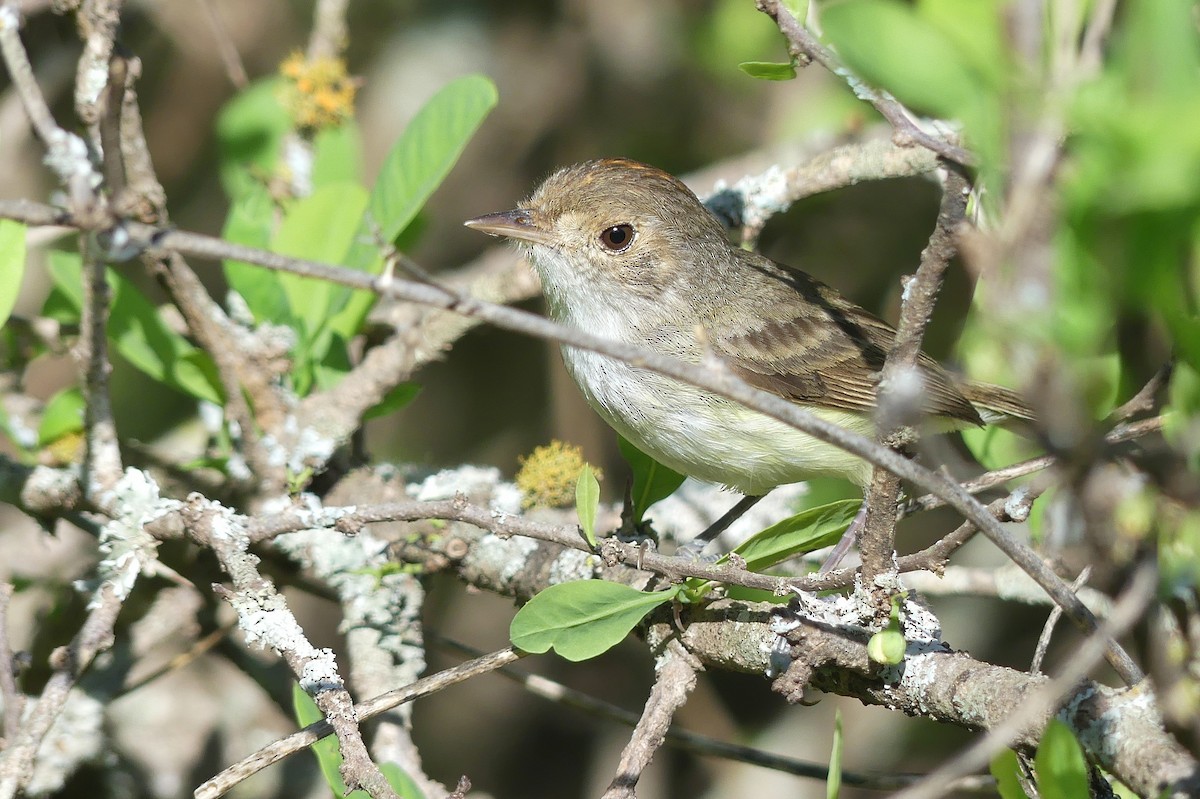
(631, 530)
(697, 544)
(846, 541)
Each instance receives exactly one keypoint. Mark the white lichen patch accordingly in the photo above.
(573, 564)
(67, 156)
(753, 199)
(320, 673)
(479, 483)
(127, 548)
(506, 556)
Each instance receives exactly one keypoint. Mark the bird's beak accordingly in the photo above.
(518, 224)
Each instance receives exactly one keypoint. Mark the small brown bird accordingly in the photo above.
(628, 252)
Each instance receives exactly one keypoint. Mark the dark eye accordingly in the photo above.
(617, 237)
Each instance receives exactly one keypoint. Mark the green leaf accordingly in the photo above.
(62, 416)
(326, 750)
(394, 400)
(889, 45)
(413, 169)
(64, 268)
(833, 784)
(426, 152)
(651, 480)
(1062, 771)
(582, 619)
(319, 227)
(587, 501)
(12, 265)
(140, 335)
(978, 31)
(806, 531)
(769, 70)
(250, 132)
(401, 783)
(337, 155)
(250, 221)
(329, 757)
(1006, 771)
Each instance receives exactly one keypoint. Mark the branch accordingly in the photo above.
(70, 662)
(803, 45)
(328, 37)
(901, 392)
(1169, 769)
(707, 746)
(674, 678)
(129, 551)
(14, 702)
(265, 618)
(997, 477)
(102, 457)
(296, 742)
(97, 21)
(751, 201)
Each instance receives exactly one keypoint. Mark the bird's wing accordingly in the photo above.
(829, 355)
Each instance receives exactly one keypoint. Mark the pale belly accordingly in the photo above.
(708, 437)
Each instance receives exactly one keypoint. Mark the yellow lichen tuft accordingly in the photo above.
(549, 473)
(319, 93)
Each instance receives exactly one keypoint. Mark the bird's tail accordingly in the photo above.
(996, 404)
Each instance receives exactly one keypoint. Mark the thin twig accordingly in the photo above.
(706, 745)
(264, 615)
(230, 57)
(1145, 398)
(997, 477)
(1039, 652)
(70, 662)
(273, 753)
(898, 405)
(1126, 612)
(674, 680)
(102, 458)
(14, 702)
(21, 73)
(98, 21)
(804, 45)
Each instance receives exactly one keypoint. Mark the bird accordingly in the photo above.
(628, 252)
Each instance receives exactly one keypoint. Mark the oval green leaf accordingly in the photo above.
(806, 531)
(1061, 769)
(12, 265)
(587, 502)
(1005, 770)
(62, 416)
(415, 166)
(651, 480)
(319, 227)
(768, 70)
(582, 619)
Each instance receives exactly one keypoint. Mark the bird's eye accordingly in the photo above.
(617, 238)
